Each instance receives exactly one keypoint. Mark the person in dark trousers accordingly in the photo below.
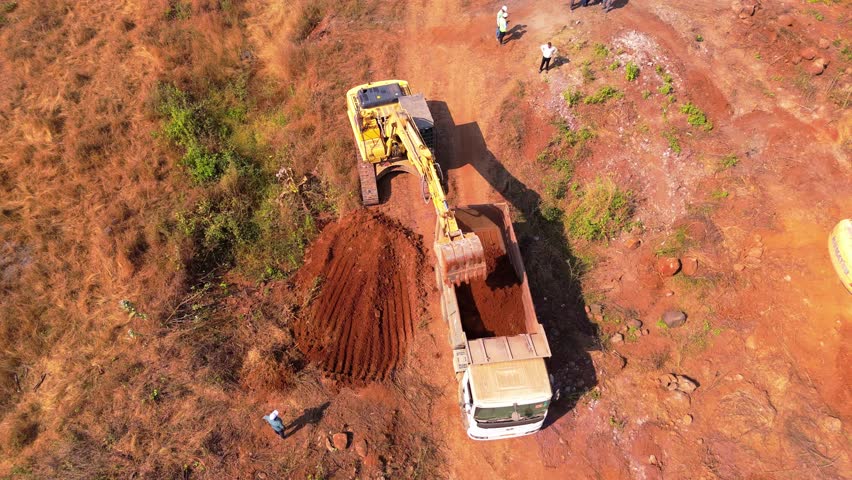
(547, 53)
(275, 422)
(607, 5)
(502, 26)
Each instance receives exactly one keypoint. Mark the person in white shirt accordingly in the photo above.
(547, 52)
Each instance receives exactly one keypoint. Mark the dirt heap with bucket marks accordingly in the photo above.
(361, 284)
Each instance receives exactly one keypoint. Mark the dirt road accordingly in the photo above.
(789, 308)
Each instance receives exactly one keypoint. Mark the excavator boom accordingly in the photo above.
(388, 137)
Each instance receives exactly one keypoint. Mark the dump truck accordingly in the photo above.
(498, 345)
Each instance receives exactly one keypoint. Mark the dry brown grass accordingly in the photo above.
(88, 199)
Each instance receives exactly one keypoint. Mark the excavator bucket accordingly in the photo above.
(461, 260)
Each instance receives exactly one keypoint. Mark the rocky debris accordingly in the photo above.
(674, 318)
(745, 8)
(687, 419)
(680, 383)
(328, 445)
(831, 424)
(824, 43)
(815, 68)
(668, 266)
(739, 267)
(689, 266)
(646, 332)
(361, 448)
(617, 338)
(796, 60)
(594, 309)
(785, 20)
(632, 243)
(808, 53)
(340, 441)
(669, 293)
(634, 323)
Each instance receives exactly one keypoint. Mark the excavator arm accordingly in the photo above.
(461, 257)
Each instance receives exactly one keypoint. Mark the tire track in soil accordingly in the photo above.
(359, 324)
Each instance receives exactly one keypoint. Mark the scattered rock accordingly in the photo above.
(755, 252)
(689, 266)
(652, 459)
(617, 338)
(685, 385)
(815, 68)
(646, 332)
(687, 419)
(674, 318)
(822, 61)
(372, 461)
(848, 70)
(808, 53)
(824, 43)
(669, 293)
(361, 448)
(668, 266)
(340, 441)
(596, 309)
(739, 267)
(831, 424)
(634, 323)
(668, 381)
(785, 20)
(796, 60)
(328, 445)
(632, 243)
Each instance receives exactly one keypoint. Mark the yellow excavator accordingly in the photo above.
(394, 131)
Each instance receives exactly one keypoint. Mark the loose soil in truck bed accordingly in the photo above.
(360, 285)
(492, 307)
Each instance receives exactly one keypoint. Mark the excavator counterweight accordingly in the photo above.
(391, 127)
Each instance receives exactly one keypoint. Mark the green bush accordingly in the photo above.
(631, 71)
(601, 50)
(601, 211)
(696, 117)
(572, 97)
(674, 142)
(550, 212)
(602, 95)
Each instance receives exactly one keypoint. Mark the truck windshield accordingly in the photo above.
(504, 414)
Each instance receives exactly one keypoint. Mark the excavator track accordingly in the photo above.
(369, 189)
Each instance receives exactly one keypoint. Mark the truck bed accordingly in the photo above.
(493, 320)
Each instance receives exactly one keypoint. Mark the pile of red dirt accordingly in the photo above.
(492, 307)
(361, 288)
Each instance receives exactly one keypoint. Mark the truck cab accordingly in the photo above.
(506, 399)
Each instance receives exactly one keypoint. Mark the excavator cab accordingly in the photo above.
(394, 131)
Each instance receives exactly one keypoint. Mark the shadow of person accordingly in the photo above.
(552, 269)
(309, 416)
(515, 33)
(618, 4)
(558, 61)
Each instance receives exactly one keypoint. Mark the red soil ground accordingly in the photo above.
(359, 295)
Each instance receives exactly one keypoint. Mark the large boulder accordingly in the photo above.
(674, 318)
(668, 266)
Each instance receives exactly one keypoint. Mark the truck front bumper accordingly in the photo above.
(477, 433)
